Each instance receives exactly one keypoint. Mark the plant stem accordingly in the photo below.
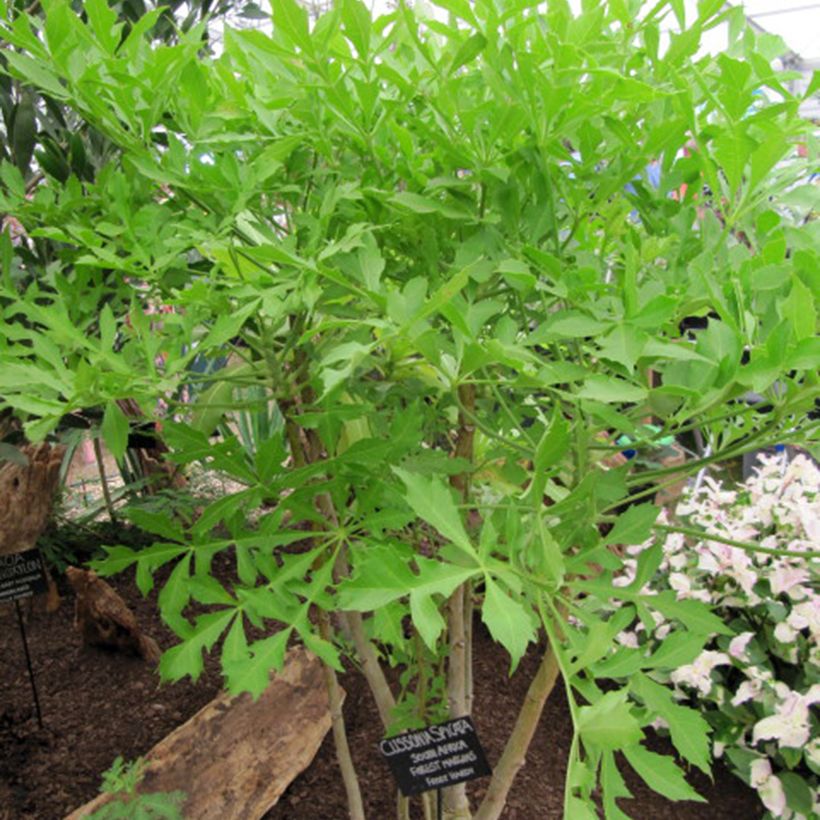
(704, 535)
(515, 751)
(300, 454)
(468, 646)
(371, 668)
(554, 633)
(456, 673)
(455, 797)
(351, 781)
(98, 455)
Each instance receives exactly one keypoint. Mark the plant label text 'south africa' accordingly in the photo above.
(436, 757)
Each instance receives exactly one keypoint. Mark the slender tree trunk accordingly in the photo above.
(515, 751)
(459, 675)
(351, 781)
(468, 646)
(371, 668)
(300, 453)
(457, 669)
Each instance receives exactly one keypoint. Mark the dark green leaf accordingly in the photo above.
(661, 774)
(115, 430)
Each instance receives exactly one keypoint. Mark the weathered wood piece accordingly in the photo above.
(104, 619)
(235, 758)
(27, 496)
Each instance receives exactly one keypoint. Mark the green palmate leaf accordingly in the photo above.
(568, 325)
(678, 649)
(357, 24)
(798, 309)
(426, 618)
(323, 649)
(115, 430)
(416, 202)
(689, 731)
(507, 620)
(175, 596)
(634, 526)
(613, 787)
(611, 390)
(383, 575)
(579, 809)
(468, 51)
(439, 577)
(208, 590)
(153, 557)
(250, 671)
(158, 523)
(432, 501)
(552, 447)
(624, 344)
(619, 664)
(554, 444)
(186, 658)
(517, 274)
(227, 326)
(661, 774)
(235, 645)
(765, 157)
(800, 797)
(694, 615)
(732, 150)
(599, 637)
(116, 560)
(649, 560)
(103, 19)
(291, 19)
(609, 723)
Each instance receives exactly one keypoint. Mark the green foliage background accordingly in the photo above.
(434, 246)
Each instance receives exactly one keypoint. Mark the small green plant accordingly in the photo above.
(122, 780)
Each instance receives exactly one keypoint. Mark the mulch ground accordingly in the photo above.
(98, 705)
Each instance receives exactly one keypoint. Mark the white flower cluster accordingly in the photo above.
(766, 679)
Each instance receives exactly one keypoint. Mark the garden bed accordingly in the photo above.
(98, 705)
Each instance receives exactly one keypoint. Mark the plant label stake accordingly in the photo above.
(22, 575)
(436, 757)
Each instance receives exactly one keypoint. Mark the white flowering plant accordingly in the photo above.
(756, 688)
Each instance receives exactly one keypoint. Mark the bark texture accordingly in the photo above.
(515, 752)
(27, 496)
(104, 619)
(459, 674)
(236, 757)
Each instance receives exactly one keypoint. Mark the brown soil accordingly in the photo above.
(97, 705)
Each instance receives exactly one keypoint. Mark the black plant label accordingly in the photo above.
(22, 575)
(435, 757)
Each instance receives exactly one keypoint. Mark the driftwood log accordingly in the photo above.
(104, 619)
(26, 502)
(27, 496)
(234, 758)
